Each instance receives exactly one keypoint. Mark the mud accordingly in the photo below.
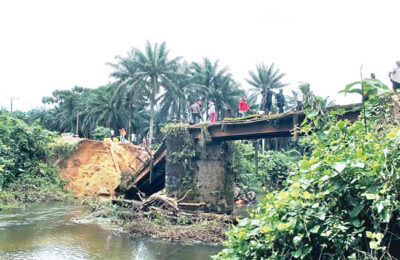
(93, 170)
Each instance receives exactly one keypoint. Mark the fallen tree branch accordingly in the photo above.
(192, 204)
(184, 196)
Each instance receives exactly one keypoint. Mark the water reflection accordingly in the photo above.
(47, 232)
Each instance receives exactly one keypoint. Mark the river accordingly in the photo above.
(47, 232)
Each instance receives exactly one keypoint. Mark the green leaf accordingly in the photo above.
(315, 229)
(320, 215)
(356, 210)
(349, 86)
(305, 165)
(356, 223)
(385, 215)
(371, 196)
(339, 166)
(379, 207)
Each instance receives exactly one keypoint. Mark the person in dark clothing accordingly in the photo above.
(228, 112)
(268, 101)
(280, 100)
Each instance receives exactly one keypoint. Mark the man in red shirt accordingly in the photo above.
(243, 107)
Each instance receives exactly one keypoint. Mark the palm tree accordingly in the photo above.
(209, 80)
(104, 109)
(149, 70)
(265, 78)
(68, 105)
(175, 100)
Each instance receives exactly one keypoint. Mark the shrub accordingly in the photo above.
(274, 167)
(24, 174)
(100, 132)
(22, 148)
(341, 201)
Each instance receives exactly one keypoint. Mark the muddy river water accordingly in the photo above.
(47, 232)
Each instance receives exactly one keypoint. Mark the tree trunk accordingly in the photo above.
(151, 117)
(263, 101)
(256, 155)
(77, 123)
(152, 103)
(178, 115)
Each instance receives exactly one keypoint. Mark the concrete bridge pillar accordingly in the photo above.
(208, 174)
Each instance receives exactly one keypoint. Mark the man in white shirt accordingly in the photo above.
(395, 76)
(299, 99)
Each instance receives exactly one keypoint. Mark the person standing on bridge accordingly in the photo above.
(268, 101)
(196, 111)
(395, 76)
(243, 107)
(211, 112)
(228, 112)
(280, 100)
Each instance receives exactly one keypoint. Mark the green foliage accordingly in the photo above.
(274, 167)
(174, 132)
(205, 137)
(159, 218)
(24, 175)
(23, 147)
(183, 220)
(101, 132)
(264, 79)
(61, 149)
(341, 201)
(371, 88)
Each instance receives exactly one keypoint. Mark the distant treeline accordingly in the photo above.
(151, 89)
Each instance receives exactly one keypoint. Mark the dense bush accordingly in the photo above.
(22, 148)
(274, 167)
(341, 202)
(101, 132)
(24, 174)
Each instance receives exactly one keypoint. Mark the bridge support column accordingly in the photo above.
(210, 176)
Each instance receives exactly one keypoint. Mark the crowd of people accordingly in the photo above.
(133, 138)
(243, 109)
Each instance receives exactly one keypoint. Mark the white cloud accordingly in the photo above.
(48, 45)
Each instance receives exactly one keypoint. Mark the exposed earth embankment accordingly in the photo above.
(95, 168)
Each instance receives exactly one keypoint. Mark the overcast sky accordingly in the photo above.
(48, 45)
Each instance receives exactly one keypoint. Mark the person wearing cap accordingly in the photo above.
(211, 112)
(395, 76)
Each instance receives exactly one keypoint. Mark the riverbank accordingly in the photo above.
(163, 225)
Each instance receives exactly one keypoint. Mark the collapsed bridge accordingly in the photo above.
(211, 178)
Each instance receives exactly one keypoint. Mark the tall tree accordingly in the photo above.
(104, 109)
(150, 70)
(217, 84)
(263, 79)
